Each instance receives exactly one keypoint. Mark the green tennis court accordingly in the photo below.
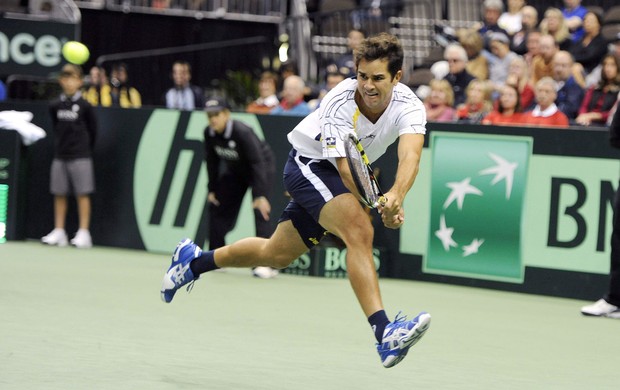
(93, 319)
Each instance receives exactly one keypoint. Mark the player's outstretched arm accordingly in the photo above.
(409, 152)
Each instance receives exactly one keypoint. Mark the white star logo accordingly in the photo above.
(473, 247)
(445, 234)
(503, 170)
(459, 190)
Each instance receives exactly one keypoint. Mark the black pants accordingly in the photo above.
(223, 218)
(230, 194)
(613, 295)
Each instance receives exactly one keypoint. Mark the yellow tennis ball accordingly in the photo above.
(75, 52)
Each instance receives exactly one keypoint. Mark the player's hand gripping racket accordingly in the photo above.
(362, 173)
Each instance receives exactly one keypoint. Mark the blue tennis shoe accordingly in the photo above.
(399, 336)
(179, 274)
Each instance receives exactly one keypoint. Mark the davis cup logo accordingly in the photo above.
(170, 180)
(477, 198)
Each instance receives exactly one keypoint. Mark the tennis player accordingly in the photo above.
(380, 110)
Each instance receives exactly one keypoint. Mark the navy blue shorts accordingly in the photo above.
(311, 183)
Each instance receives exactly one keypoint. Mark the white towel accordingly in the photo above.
(20, 122)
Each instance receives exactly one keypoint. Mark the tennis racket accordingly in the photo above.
(363, 175)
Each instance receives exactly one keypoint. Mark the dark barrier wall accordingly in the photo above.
(12, 174)
(518, 209)
(110, 32)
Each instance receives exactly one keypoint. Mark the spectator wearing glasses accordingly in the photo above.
(570, 93)
(458, 77)
(545, 113)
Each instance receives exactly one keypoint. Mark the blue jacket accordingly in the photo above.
(569, 98)
(302, 109)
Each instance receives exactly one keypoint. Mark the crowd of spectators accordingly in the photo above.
(514, 69)
(497, 71)
(511, 68)
(113, 91)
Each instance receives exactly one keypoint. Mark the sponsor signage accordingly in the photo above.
(30, 47)
(519, 209)
(478, 185)
(330, 262)
(565, 223)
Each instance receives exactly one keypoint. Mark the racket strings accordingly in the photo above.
(360, 173)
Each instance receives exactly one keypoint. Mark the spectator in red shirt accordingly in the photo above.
(545, 113)
(600, 99)
(508, 108)
(518, 77)
(478, 102)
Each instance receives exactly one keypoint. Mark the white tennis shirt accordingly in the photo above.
(320, 135)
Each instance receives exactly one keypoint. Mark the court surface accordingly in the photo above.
(93, 319)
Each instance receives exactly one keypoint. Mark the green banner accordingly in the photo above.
(170, 175)
(569, 213)
(567, 218)
(477, 197)
(4, 204)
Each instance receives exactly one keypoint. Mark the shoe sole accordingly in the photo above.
(415, 334)
(614, 315)
(82, 246)
(59, 244)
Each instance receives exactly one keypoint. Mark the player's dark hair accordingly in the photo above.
(383, 46)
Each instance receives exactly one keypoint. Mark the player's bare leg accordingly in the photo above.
(344, 217)
(278, 251)
(189, 261)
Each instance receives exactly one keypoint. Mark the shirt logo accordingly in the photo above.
(330, 142)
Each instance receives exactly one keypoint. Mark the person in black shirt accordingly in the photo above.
(609, 305)
(458, 76)
(236, 160)
(75, 130)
